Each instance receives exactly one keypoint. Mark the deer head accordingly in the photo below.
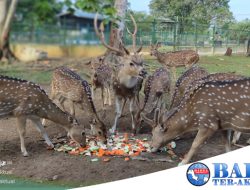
(75, 132)
(160, 125)
(131, 64)
(154, 49)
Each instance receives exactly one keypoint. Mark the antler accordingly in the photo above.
(134, 35)
(102, 38)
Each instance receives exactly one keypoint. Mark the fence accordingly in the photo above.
(203, 38)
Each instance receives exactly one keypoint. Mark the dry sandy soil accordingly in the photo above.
(43, 164)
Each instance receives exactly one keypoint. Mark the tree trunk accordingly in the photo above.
(7, 12)
(116, 33)
(248, 48)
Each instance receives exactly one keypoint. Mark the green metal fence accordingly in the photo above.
(170, 33)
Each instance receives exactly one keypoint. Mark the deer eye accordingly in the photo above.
(132, 64)
(99, 133)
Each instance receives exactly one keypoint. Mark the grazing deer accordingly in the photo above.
(25, 100)
(67, 85)
(156, 87)
(127, 74)
(182, 85)
(174, 59)
(212, 106)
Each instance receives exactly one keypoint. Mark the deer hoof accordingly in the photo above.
(112, 131)
(25, 154)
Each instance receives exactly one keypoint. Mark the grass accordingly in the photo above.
(214, 64)
(27, 72)
(42, 75)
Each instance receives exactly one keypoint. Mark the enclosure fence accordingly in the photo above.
(173, 36)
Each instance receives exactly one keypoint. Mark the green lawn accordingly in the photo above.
(235, 63)
(214, 64)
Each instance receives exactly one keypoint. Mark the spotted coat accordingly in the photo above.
(186, 79)
(68, 85)
(26, 100)
(213, 105)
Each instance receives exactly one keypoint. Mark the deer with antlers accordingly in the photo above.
(174, 59)
(126, 75)
(68, 85)
(213, 105)
(25, 100)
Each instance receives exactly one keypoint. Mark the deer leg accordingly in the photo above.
(41, 129)
(71, 108)
(21, 124)
(200, 138)
(236, 137)
(123, 106)
(61, 101)
(103, 98)
(131, 109)
(227, 139)
(109, 95)
(118, 114)
(93, 88)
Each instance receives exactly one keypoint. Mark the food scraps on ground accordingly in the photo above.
(117, 146)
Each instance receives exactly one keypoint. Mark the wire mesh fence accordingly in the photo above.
(174, 36)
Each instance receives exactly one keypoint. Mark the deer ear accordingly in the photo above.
(126, 50)
(139, 49)
(157, 116)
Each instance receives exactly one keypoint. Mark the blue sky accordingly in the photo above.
(240, 8)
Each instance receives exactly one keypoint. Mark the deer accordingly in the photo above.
(214, 105)
(156, 87)
(183, 83)
(174, 59)
(101, 77)
(25, 100)
(68, 85)
(126, 77)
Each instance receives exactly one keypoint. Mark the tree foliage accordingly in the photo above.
(38, 12)
(188, 11)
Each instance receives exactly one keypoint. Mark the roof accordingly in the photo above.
(81, 14)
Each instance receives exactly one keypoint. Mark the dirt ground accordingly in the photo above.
(43, 164)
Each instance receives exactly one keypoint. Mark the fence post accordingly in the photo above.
(213, 44)
(196, 38)
(154, 31)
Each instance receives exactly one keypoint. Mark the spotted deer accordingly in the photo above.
(182, 85)
(126, 75)
(156, 87)
(101, 77)
(26, 100)
(68, 85)
(214, 105)
(174, 59)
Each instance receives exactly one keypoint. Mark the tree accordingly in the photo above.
(7, 10)
(37, 13)
(114, 10)
(188, 11)
(33, 14)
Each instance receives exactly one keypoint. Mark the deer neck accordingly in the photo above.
(55, 114)
(126, 79)
(161, 56)
(178, 124)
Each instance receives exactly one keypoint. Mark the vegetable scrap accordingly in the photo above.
(117, 146)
